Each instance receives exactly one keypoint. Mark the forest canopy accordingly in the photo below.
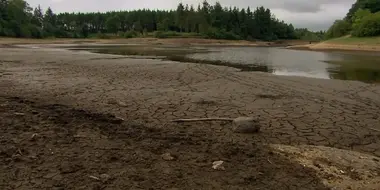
(362, 20)
(18, 19)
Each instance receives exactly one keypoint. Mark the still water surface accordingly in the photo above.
(357, 66)
(328, 65)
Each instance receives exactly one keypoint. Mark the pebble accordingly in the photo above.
(122, 104)
(167, 157)
(34, 136)
(218, 165)
(245, 125)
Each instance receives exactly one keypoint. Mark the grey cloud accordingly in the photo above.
(312, 6)
(311, 13)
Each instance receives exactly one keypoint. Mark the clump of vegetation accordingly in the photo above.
(130, 34)
(368, 25)
(162, 34)
(338, 29)
(102, 36)
(173, 34)
(214, 33)
(305, 34)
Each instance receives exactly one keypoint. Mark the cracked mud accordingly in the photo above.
(68, 118)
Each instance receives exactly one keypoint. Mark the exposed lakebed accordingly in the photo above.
(359, 66)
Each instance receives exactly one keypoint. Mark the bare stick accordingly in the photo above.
(93, 177)
(202, 119)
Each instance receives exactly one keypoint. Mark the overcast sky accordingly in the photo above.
(312, 14)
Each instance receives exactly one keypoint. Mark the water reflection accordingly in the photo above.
(359, 66)
(327, 65)
(363, 67)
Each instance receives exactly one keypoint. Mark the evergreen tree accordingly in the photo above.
(17, 19)
(180, 17)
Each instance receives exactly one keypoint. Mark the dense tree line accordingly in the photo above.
(18, 19)
(363, 19)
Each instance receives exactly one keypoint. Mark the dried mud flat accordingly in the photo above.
(75, 120)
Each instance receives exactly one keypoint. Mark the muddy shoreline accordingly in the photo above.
(8, 42)
(335, 47)
(74, 120)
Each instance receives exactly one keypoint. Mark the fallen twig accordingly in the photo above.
(93, 177)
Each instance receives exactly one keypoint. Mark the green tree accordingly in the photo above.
(264, 23)
(217, 16)
(180, 17)
(192, 22)
(338, 29)
(17, 19)
(372, 5)
(163, 25)
(112, 24)
(368, 26)
(49, 23)
(138, 27)
(38, 17)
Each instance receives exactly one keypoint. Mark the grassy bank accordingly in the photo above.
(346, 43)
(349, 40)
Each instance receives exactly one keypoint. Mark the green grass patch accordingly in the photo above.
(349, 40)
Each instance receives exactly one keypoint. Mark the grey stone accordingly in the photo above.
(245, 125)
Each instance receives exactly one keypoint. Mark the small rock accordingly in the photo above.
(167, 157)
(122, 104)
(218, 165)
(245, 125)
(34, 137)
(104, 178)
(19, 114)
